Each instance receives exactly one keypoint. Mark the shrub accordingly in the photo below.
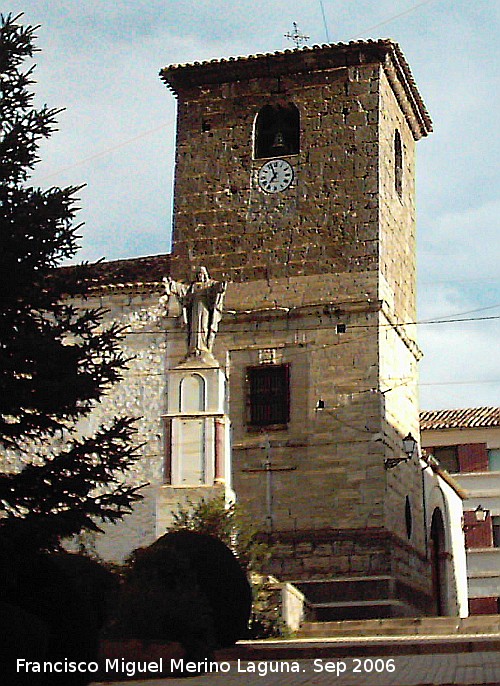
(186, 587)
(219, 577)
(66, 595)
(160, 600)
(232, 525)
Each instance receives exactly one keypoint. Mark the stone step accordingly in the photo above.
(329, 648)
(346, 589)
(358, 598)
(361, 610)
(415, 626)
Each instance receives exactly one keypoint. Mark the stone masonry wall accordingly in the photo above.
(398, 384)
(398, 352)
(326, 222)
(351, 553)
(330, 251)
(332, 453)
(397, 211)
(141, 394)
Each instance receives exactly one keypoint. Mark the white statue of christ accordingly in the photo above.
(201, 303)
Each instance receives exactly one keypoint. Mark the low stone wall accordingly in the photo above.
(292, 606)
(291, 603)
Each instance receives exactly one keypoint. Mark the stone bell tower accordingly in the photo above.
(295, 183)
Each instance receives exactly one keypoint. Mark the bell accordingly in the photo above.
(279, 142)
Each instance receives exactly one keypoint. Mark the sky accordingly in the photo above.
(100, 61)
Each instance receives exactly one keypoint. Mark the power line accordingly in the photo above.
(308, 348)
(423, 322)
(104, 152)
(405, 382)
(459, 314)
(324, 21)
(392, 18)
(448, 321)
(459, 383)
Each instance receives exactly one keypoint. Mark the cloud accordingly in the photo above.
(101, 60)
(456, 354)
(462, 244)
(458, 368)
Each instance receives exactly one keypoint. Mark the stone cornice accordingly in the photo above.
(330, 309)
(443, 474)
(405, 89)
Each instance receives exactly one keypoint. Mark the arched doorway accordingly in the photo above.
(438, 562)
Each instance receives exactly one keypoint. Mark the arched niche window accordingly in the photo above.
(408, 517)
(398, 163)
(277, 131)
(192, 393)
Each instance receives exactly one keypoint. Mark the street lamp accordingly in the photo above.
(481, 513)
(409, 447)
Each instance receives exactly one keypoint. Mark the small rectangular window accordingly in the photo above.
(496, 531)
(494, 460)
(269, 394)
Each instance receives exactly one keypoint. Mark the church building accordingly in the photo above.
(275, 352)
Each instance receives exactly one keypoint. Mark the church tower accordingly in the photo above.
(295, 184)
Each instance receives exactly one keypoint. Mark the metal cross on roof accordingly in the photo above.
(296, 36)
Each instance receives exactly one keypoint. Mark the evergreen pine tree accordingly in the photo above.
(56, 361)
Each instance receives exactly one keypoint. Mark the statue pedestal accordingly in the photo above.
(197, 424)
(197, 437)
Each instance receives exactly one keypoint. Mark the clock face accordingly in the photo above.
(275, 176)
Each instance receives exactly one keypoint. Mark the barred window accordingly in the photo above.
(269, 394)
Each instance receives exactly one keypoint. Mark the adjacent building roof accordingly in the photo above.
(180, 78)
(119, 273)
(466, 418)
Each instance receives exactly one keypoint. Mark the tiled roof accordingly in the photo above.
(181, 77)
(120, 273)
(467, 418)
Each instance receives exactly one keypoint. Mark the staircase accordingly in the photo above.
(375, 637)
(358, 598)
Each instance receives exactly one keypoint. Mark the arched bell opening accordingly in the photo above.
(277, 131)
